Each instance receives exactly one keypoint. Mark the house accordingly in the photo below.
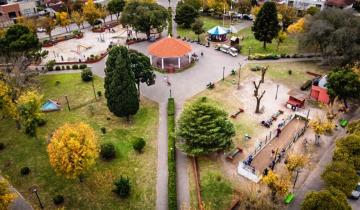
(342, 4)
(305, 4)
(319, 90)
(11, 10)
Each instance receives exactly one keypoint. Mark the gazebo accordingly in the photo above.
(170, 52)
(218, 33)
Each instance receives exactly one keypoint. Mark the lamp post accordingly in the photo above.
(238, 83)
(223, 73)
(37, 196)
(92, 84)
(277, 89)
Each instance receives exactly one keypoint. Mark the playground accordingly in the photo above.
(91, 45)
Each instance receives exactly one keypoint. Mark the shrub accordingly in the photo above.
(41, 122)
(2, 146)
(67, 67)
(58, 199)
(172, 197)
(50, 65)
(122, 187)
(25, 170)
(107, 151)
(57, 83)
(86, 75)
(139, 144)
(103, 130)
(82, 66)
(290, 72)
(57, 68)
(75, 66)
(306, 85)
(99, 93)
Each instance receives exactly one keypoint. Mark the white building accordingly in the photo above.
(305, 4)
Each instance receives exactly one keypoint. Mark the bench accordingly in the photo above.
(237, 113)
(231, 155)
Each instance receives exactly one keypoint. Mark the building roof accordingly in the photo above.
(323, 82)
(339, 3)
(169, 47)
(218, 30)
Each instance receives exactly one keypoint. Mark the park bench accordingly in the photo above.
(237, 113)
(231, 155)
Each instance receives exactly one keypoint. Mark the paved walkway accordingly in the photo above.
(19, 203)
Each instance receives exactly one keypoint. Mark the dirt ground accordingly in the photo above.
(264, 158)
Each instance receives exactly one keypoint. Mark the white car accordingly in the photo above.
(233, 51)
(40, 30)
(355, 194)
(224, 48)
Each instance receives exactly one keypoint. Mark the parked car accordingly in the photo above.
(248, 17)
(233, 51)
(355, 194)
(227, 49)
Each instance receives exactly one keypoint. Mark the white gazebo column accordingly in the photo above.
(179, 63)
(162, 63)
(189, 58)
(150, 59)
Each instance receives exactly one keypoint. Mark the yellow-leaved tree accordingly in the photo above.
(255, 10)
(91, 12)
(296, 162)
(77, 18)
(320, 127)
(28, 106)
(28, 22)
(297, 27)
(47, 23)
(6, 197)
(8, 107)
(73, 149)
(279, 185)
(63, 19)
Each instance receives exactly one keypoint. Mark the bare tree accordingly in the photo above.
(256, 95)
(263, 72)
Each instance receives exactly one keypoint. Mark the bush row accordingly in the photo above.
(273, 56)
(67, 67)
(172, 200)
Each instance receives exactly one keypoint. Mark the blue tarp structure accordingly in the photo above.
(218, 30)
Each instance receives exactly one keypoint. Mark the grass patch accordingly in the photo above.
(96, 191)
(289, 46)
(209, 22)
(172, 197)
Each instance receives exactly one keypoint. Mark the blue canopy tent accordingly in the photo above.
(218, 33)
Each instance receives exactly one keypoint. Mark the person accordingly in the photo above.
(266, 171)
(278, 132)
(202, 54)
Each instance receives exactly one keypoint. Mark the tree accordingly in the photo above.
(266, 25)
(28, 22)
(49, 24)
(185, 15)
(6, 196)
(331, 199)
(91, 12)
(77, 18)
(123, 187)
(312, 11)
(63, 19)
(103, 13)
(198, 27)
(280, 38)
(219, 6)
(144, 17)
(196, 4)
(255, 10)
(341, 176)
(139, 144)
(354, 127)
(297, 27)
(348, 150)
(288, 15)
(279, 185)
(29, 104)
(142, 68)
(356, 6)
(257, 96)
(335, 32)
(78, 6)
(244, 6)
(116, 7)
(320, 127)
(120, 88)
(8, 106)
(204, 128)
(296, 162)
(73, 149)
(344, 84)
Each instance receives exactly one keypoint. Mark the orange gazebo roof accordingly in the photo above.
(169, 47)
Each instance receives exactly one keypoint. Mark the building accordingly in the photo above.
(305, 4)
(11, 10)
(342, 4)
(319, 90)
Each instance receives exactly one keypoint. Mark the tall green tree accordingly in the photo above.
(341, 176)
(336, 33)
(198, 27)
(266, 26)
(144, 16)
(344, 84)
(330, 199)
(120, 87)
(204, 128)
(185, 14)
(348, 150)
(116, 7)
(142, 68)
(194, 3)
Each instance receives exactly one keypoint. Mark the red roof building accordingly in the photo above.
(319, 91)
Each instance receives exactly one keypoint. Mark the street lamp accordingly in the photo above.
(92, 84)
(277, 89)
(223, 73)
(37, 195)
(238, 84)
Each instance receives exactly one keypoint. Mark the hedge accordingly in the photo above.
(172, 200)
(170, 26)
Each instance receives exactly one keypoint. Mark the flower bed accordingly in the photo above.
(134, 40)
(273, 56)
(50, 43)
(98, 30)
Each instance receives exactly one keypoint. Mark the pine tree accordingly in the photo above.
(120, 86)
(266, 25)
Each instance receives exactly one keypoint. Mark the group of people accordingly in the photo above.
(276, 158)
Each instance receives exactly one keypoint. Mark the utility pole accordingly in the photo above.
(277, 89)
(223, 73)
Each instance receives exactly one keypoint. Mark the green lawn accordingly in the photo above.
(96, 191)
(209, 22)
(289, 46)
